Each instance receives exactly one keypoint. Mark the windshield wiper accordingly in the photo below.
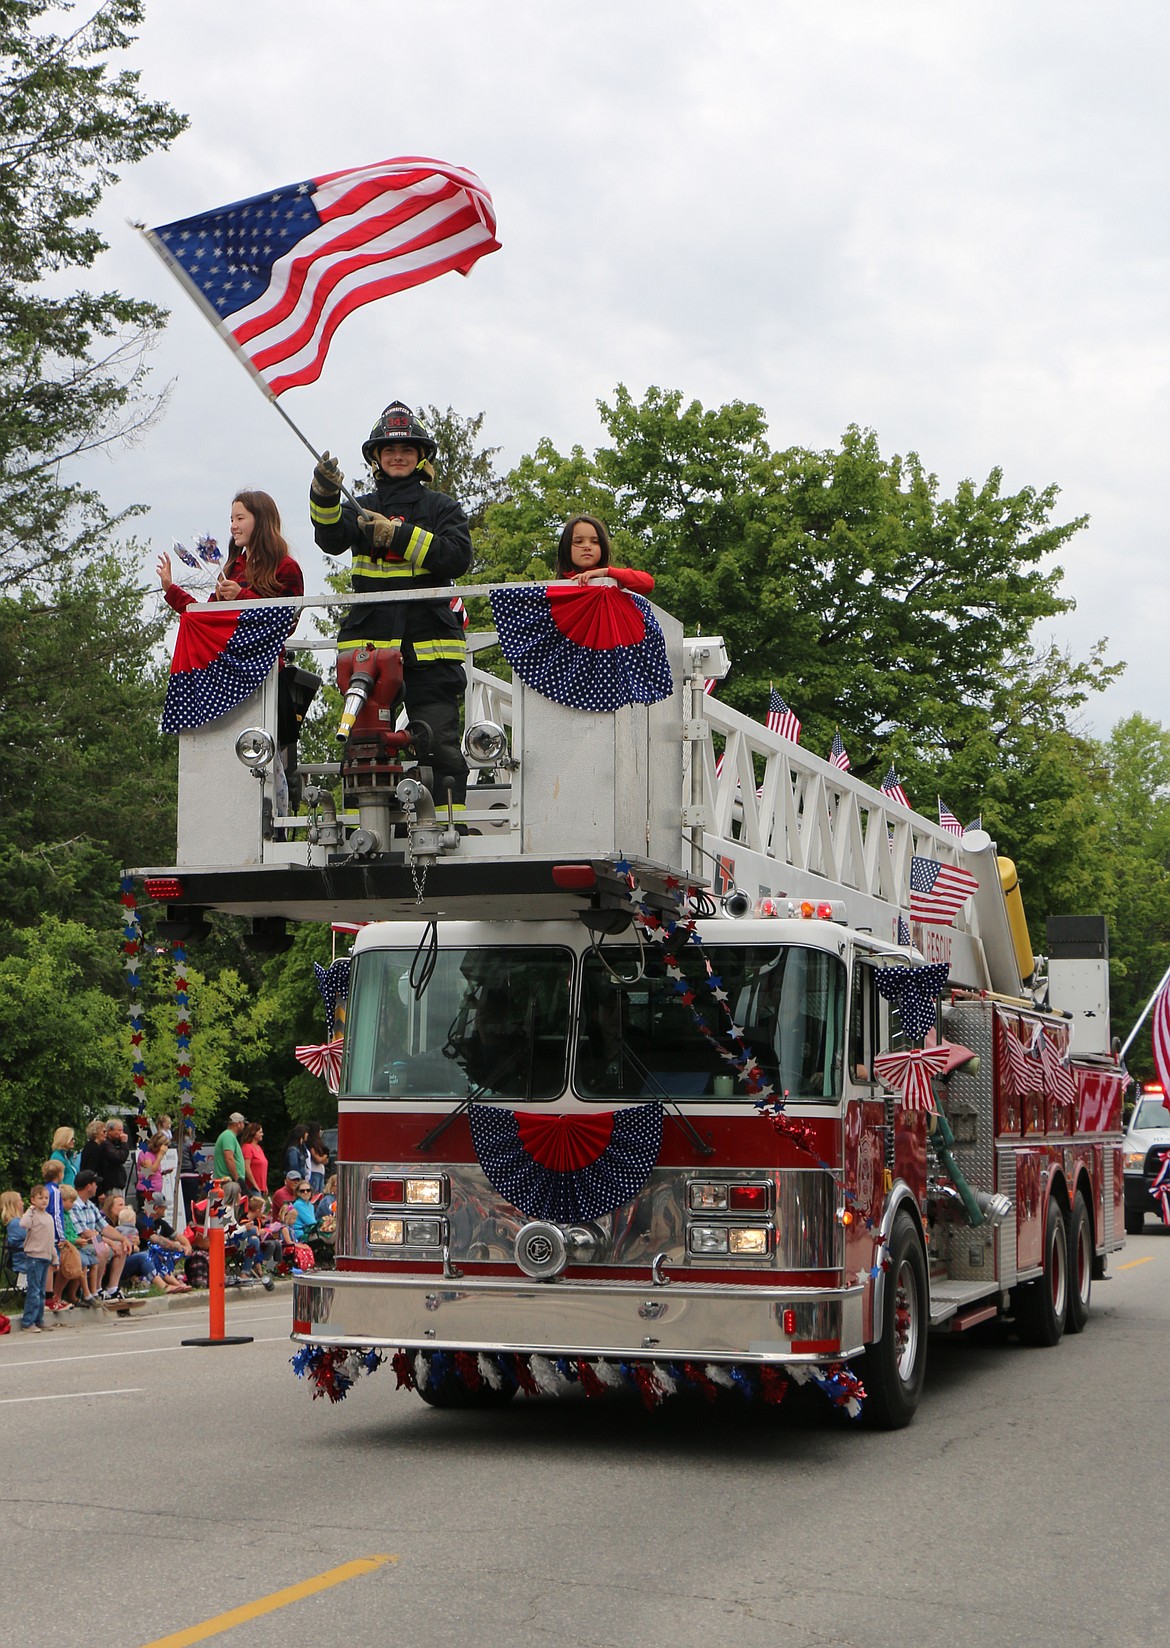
(683, 1121)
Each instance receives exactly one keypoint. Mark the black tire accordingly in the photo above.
(894, 1366)
(1135, 1221)
(453, 1393)
(1080, 1266)
(1042, 1306)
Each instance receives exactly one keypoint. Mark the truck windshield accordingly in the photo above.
(640, 1038)
(1151, 1113)
(490, 1023)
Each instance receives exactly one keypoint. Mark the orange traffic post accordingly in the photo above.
(216, 1269)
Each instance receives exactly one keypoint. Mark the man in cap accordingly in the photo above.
(404, 537)
(228, 1158)
(287, 1192)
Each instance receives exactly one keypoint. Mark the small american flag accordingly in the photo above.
(938, 891)
(903, 931)
(277, 274)
(892, 788)
(838, 756)
(781, 719)
(976, 823)
(947, 819)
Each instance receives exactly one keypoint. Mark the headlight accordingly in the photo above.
(751, 1241)
(425, 1192)
(1134, 1160)
(424, 1232)
(384, 1232)
(707, 1239)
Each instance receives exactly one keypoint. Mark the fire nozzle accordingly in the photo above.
(369, 676)
(360, 686)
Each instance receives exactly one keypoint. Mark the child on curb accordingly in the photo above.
(40, 1254)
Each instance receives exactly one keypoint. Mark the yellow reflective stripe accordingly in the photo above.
(417, 545)
(433, 651)
(324, 514)
(364, 567)
(352, 646)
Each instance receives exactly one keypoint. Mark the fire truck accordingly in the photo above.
(640, 990)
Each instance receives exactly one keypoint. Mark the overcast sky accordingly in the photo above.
(947, 222)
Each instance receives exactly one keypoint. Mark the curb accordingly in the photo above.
(163, 1305)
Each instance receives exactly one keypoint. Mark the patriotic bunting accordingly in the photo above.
(567, 1168)
(324, 1059)
(1021, 1072)
(938, 891)
(1059, 1078)
(220, 659)
(333, 983)
(910, 1073)
(915, 991)
(591, 647)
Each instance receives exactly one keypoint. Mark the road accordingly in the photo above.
(149, 1488)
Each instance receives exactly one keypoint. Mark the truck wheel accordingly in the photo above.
(453, 1393)
(1135, 1221)
(1042, 1306)
(895, 1364)
(1080, 1265)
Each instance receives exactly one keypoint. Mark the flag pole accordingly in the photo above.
(205, 308)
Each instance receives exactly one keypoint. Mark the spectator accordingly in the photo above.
(193, 1174)
(79, 1239)
(296, 1151)
(242, 1236)
(140, 1266)
(161, 1236)
(11, 1208)
(228, 1158)
(318, 1160)
(115, 1153)
(68, 1287)
(255, 1161)
(108, 1245)
(149, 1167)
(287, 1194)
(305, 1212)
(52, 1173)
(327, 1201)
(40, 1254)
(91, 1150)
(64, 1153)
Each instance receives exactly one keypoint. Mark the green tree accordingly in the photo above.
(89, 781)
(61, 1053)
(464, 470)
(72, 365)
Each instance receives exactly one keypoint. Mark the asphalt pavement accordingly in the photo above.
(152, 1488)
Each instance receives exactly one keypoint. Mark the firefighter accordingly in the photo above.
(403, 536)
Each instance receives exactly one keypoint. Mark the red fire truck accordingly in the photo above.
(610, 1109)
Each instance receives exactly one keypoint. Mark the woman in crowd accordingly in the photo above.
(64, 1153)
(296, 1152)
(255, 1161)
(318, 1159)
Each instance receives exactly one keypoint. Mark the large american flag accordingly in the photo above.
(947, 819)
(1161, 1029)
(892, 787)
(781, 719)
(838, 755)
(277, 274)
(938, 891)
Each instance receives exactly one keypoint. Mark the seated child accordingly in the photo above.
(139, 1266)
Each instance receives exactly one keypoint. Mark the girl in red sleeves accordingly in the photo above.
(583, 557)
(259, 567)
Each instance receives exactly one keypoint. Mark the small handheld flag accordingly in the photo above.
(781, 719)
(838, 756)
(938, 891)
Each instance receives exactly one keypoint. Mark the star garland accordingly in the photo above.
(183, 1038)
(737, 1053)
(131, 961)
(331, 1369)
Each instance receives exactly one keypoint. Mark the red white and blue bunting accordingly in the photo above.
(567, 1168)
(591, 647)
(220, 659)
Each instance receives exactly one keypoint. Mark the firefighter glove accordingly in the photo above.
(379, 531)
(327, 477)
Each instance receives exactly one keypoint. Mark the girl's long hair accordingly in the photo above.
(565, 567)
(267, 547)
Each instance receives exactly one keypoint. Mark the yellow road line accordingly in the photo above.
(1130, 1263)
(269, 1604)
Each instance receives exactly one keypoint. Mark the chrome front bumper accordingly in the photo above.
(587, 1319)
